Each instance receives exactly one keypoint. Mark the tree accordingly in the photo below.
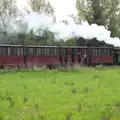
(96, 11)
(42, 36)
(71, 42)
(101, 12)
(8, 11)
(41, 6)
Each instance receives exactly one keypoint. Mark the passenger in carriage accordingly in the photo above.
(85, 59)
(79, 57)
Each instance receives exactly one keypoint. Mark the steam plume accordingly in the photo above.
(36, 21)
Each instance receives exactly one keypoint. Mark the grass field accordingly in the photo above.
(85, 94)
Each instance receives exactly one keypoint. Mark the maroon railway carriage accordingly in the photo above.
(101, 55)
(11, 55)
(14, 55)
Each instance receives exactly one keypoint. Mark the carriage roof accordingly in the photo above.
(37, 46)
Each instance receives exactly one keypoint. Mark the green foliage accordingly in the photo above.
(101, 12)
(71, 42)
(8, 9)
(41, 6)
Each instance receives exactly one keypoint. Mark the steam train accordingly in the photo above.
(30, 55)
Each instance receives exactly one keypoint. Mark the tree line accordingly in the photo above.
(101, 12)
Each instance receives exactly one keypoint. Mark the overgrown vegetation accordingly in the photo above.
(87, 93)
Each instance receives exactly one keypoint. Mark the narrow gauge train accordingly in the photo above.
(18, 55)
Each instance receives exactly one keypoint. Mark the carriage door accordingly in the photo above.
(89, 55)
(72, 55)
(79, 55)
(86, 61)
(60, 56)
(25, 55)
(65, 56)
(85, 57)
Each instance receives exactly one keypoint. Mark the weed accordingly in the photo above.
(25, 99)
(79, 107)
(97, 77)
(72, 83)
(106, 113)
(36, 106)
(22, 77)
(67, 83)
(11, 101)
(86, 90)
(74, 90)
(117, 103)
(42, 117)
(25, 87)
(53, 82)
(68, 116)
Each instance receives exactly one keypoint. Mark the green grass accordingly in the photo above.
(85, 94)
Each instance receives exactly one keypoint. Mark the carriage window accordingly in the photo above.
(60, 51)
(110, 50)
(4, 51)
(107, 52)
(51, 51)
(9, 53)
(31, 51)
(102, 52)
(72, 51)
(42, 51)
(99, 52)
(65, 51)
(96, 52)
(13, 51)
(85, 50)
(47, 51)
(93, 52)
(79, 51)
(34, 51)
(38, 52)
(76, 52)
(26, 51)
(18, 51)
(55, 51)
(21, 51)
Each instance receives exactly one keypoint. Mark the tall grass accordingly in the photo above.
(71, 93)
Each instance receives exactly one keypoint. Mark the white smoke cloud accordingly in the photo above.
(36, 21)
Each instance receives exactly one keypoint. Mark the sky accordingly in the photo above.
(62, 7)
